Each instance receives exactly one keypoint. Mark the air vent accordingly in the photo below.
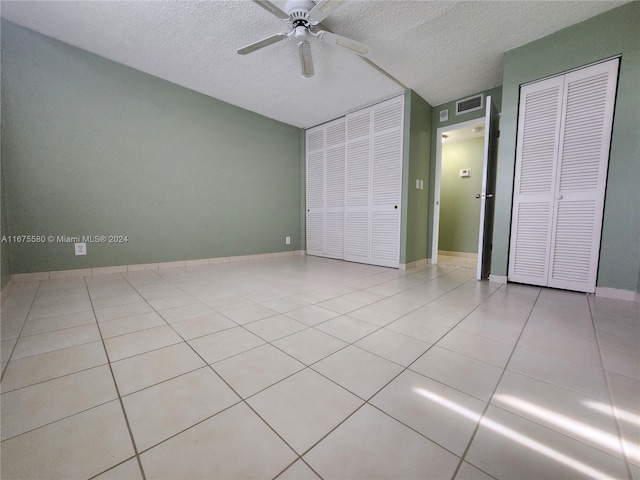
(469, 104)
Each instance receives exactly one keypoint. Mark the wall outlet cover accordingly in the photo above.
(287, 240)
(80, 248)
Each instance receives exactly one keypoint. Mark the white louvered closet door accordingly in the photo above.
(537, 155)
(555, 238)
(315, 151)
(358, 186)
(386, 182)
(334, 192)
(585, 136)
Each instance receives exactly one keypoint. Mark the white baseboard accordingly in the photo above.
(498, 278)
(87, 272)
(409, 266)
(617, 294)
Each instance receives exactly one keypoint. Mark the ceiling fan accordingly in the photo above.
(303, 20)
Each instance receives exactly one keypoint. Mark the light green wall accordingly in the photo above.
(5, 268)
(613, 33)
(92, 147)
(496, 96)
(417, 149)
(459, 209)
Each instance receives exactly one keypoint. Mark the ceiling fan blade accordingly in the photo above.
(262, 43)
(357, 47)
(270, 7)
(306, 62)
(323, 9)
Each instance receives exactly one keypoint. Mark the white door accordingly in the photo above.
(564, 132)
(386, 182)
(334, 182)
(485, 234)
(315, 190)
(358, 187)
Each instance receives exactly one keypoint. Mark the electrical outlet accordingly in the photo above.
(81, 248)
(287, 240)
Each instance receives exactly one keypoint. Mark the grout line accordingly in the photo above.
(495, 389)
(26, 316)
(623, 449)
(115, 384)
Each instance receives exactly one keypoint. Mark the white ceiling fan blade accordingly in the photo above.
(262, 43)
(270, 7)
(323, 9)
(357, 47)
(306, 62)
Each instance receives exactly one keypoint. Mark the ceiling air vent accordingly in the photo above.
(469, 104)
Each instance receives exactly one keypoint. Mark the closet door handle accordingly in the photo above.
(559, 196)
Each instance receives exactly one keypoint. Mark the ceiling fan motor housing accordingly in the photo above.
(298, 11)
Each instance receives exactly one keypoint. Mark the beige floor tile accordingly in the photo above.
(46, 300)
(252, 371)
(286, 304)
(393, 346)
(37, 405)
(623, 363)
(158, 412)
(107, 302)
(358, 371)
(185, 313)
(374, 315)
(562, 347)
(506, 330)
(304, 407)
(59, 322)
(298, 471)
(477, 346)
(273, 328)
(172, 302)
(625, 391)
(466, 374)
(309, 346)
(55, 310)
(79, 446)
(419, 329)
(224, 344)
(39, 368)
(509, 446)
(234, 444)
(122, 311)
(581, 377)
(440, 316)
(201, 326)
(446, 416)
(50, 341)
(583, 418)
(140, 342)
(312, 315)
(135, 373)
(250, 313)
(129, 470)
(370, 444)
(469, 472)
(346, 328)
(341, 304)
(125, 325)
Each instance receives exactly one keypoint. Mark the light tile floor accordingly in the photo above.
(302, 367)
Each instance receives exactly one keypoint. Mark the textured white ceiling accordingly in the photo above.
(444, 50)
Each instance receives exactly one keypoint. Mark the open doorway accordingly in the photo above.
(461, 223)
(459, 163)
